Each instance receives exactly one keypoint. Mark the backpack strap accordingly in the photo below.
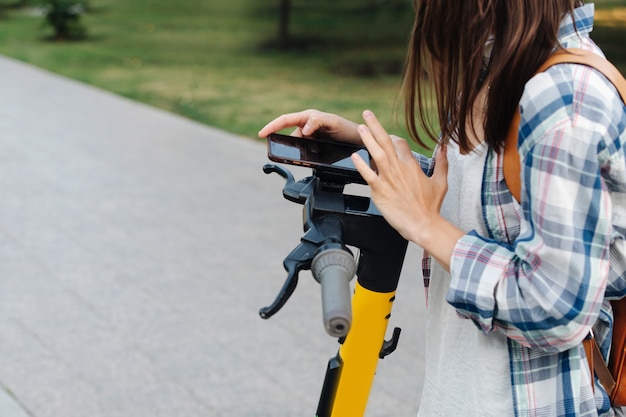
(511, 162)
(512, 171)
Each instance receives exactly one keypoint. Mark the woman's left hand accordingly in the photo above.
(408, 199)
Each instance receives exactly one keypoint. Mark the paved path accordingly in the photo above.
(136, 248)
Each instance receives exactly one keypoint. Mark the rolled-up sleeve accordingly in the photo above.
(545, 290)
(427, 164)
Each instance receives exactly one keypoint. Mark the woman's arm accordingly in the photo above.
(545, 291)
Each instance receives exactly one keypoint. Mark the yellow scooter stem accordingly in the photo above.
(360, 351)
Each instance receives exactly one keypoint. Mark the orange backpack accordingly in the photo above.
(610, 375)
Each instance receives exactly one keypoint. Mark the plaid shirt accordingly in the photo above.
(541, 275)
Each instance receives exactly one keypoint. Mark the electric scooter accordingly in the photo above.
(333, 222)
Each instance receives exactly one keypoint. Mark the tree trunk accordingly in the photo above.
(283, 25)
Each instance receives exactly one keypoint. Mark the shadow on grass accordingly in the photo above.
(14, 4)
(353, 39)
(342, 58)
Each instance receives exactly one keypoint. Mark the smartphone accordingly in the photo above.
(327, 157)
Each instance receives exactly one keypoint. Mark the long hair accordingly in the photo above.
(445, 62)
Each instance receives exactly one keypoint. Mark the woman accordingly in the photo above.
(513, 288)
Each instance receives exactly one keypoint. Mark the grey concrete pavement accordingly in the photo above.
(136, 248)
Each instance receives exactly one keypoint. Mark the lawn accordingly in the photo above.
(214, 61)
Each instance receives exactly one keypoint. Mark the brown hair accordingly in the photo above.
(445, 60)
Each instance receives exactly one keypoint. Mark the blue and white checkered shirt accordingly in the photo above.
(542, 274)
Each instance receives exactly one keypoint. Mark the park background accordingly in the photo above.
(237, 64)
(136, 246)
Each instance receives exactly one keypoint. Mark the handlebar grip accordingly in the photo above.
(333, 269)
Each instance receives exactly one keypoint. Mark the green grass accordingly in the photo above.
(213, 60)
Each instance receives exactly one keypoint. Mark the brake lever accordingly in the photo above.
(296, 192)
(300, 258)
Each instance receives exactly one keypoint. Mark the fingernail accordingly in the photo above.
(367, 114)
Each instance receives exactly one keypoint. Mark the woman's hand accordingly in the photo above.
(310, 123)
(408, 199)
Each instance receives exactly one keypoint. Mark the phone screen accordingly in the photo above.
(314, 152)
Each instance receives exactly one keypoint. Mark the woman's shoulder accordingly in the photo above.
(570, 95)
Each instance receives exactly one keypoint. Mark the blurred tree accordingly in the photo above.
(11, 4)
(64, 17)
(283, 24)
(353, 9)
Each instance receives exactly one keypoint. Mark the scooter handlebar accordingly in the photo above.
(333, 268)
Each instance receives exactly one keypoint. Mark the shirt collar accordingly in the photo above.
(580, 24)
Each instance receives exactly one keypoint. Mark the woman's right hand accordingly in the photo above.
(314, 123)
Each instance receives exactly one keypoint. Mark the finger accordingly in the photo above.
(378, 131)
(281, 122)
(370, 143)
(284, 121)
(403, 150)
(312, 125)
(297, 133)
(364, 169)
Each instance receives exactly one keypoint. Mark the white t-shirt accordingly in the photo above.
(467, 372)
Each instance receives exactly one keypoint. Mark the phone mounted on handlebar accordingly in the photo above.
(330, 159)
